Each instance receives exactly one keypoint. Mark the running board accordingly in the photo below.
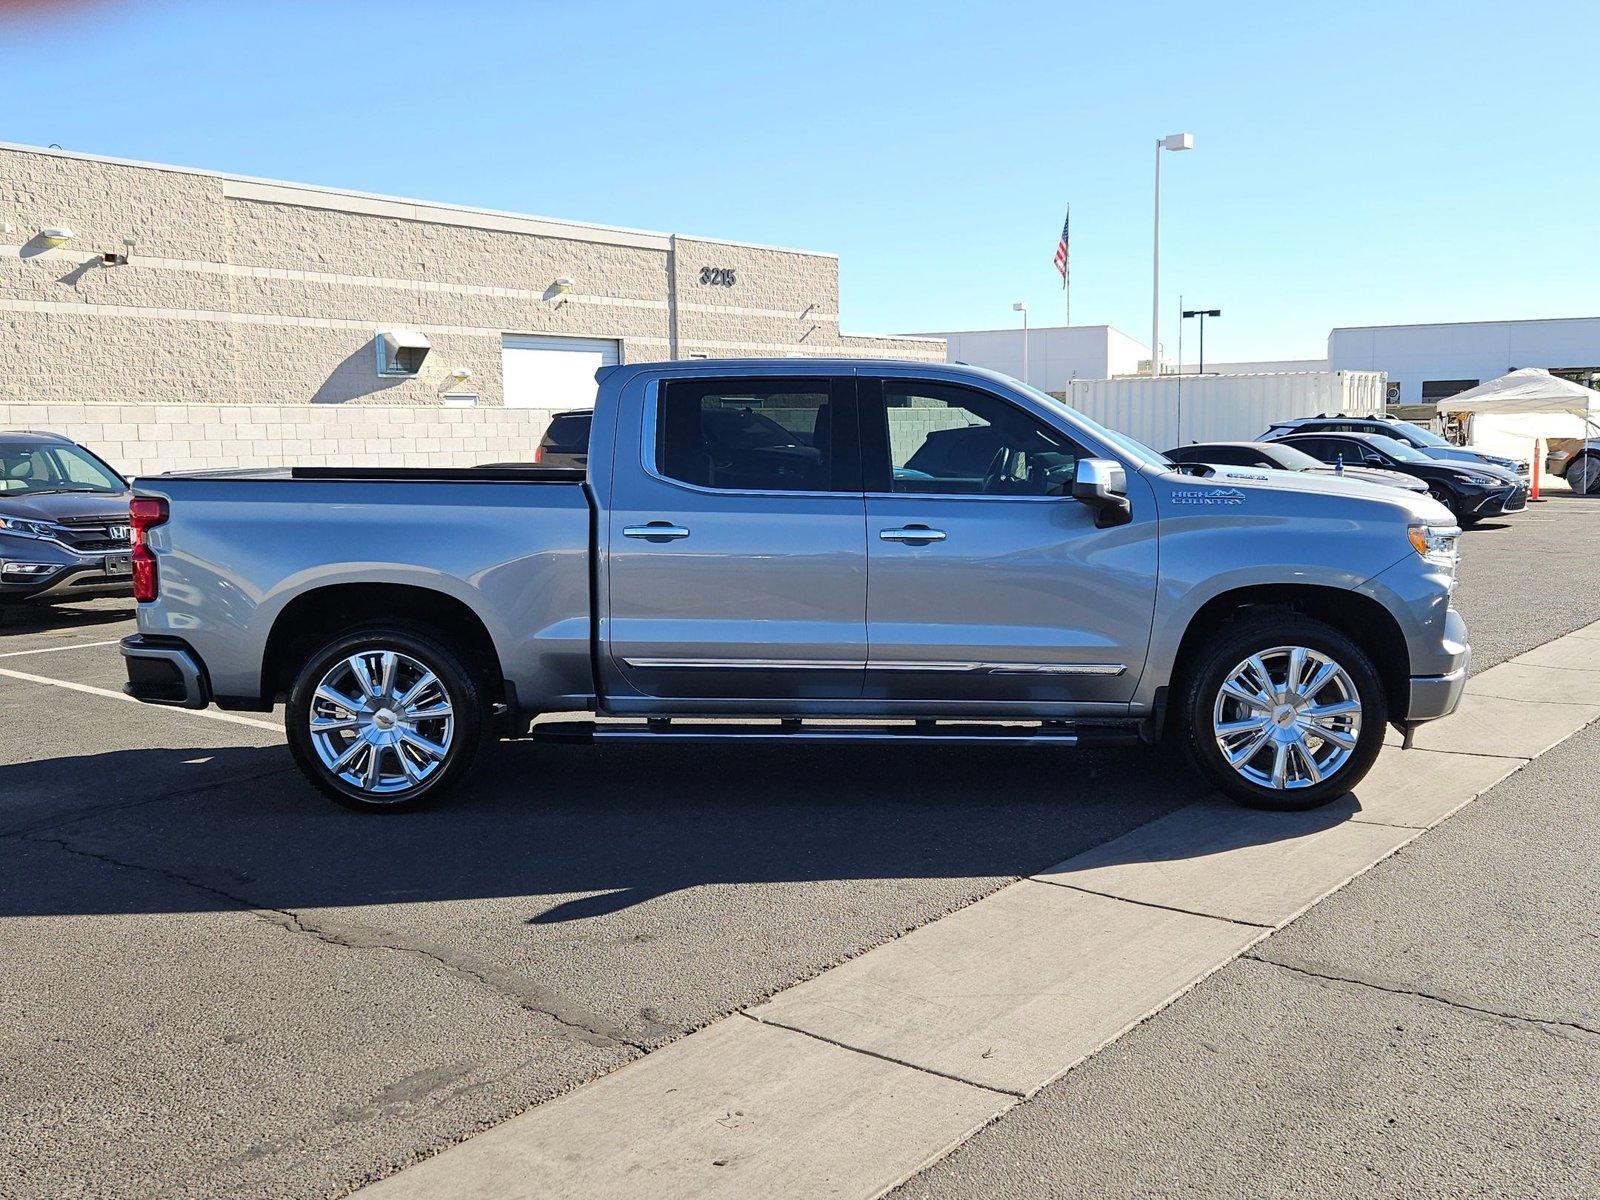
(958, 733)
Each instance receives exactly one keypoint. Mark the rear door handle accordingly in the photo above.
(664, 531)
(912, 533)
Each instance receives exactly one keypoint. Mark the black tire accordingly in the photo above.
(1231, 646)
(1449, 499)
(1583, 475)
(461, 690)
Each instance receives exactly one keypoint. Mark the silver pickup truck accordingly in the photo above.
(805, 550)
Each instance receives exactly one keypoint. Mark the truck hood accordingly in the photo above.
(1279, 491)
(65, 506)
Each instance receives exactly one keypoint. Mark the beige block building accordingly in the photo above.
(173, 318)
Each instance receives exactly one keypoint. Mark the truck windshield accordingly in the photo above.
(35, 467)
(1130, 446)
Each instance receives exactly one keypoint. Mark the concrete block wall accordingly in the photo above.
(144, 439)
(242, 291)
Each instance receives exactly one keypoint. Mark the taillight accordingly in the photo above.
(538, 453)
(144, 514)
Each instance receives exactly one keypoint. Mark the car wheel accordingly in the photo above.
(1448, 499)
(1583, 475)
(1284, 712)
(384, 719)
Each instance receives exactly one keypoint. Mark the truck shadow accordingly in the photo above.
(576, 833)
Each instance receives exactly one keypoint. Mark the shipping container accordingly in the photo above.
(1178, 409)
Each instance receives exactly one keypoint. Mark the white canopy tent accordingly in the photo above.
(1528, 391)
(1511, 414)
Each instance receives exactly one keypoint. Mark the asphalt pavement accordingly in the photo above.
(216, 983)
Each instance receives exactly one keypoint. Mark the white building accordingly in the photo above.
(1431, 362)
(1056, 354)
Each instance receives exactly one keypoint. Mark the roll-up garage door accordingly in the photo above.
(552, 372)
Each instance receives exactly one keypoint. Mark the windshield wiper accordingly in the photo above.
(52, 491)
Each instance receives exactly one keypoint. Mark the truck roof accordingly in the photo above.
(800, 366)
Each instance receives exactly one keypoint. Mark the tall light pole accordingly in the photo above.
(1021, 306)
(1202, 313)
(1173, 141)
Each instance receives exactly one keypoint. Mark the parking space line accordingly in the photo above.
(58, 649)
(89, 690)
(993, 994)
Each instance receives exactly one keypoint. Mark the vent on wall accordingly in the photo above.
(401, 351)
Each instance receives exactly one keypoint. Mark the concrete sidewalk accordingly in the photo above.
(1431, 1030)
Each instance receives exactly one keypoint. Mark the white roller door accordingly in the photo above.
(552, 372)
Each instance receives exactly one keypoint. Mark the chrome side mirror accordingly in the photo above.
(1103, 485)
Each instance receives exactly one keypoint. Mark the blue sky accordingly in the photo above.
(1355, 163)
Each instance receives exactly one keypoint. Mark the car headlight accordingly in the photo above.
(1438, 544)
(29, 529)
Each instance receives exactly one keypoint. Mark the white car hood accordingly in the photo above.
(1417, 506)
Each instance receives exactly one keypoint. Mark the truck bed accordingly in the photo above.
(491, 473)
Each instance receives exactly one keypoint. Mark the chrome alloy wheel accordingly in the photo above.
(1288, 717)
(381, 721)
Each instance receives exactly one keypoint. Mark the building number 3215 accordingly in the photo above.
(716, 276)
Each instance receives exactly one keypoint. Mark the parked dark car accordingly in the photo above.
(63, 522)
(1469, 490)
(1277, 456)
(1415, 436)
(566, 442)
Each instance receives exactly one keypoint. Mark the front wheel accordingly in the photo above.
(1284, 712)
(382, 719)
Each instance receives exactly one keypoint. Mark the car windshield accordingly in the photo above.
(1129, 446)
(1426, 436)
(31, 468)
(1396, 449)
(1290, 459)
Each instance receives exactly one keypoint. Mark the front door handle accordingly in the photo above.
(663, 531)
(912, 533)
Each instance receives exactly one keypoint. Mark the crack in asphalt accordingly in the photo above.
(106, 809)
(586, 1028)
(1549, 1025)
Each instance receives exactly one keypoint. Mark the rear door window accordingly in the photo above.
(789, 435)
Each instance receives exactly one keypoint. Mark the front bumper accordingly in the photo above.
(41, 570)
(1498, 501)
(1435, 696)
(164, 670)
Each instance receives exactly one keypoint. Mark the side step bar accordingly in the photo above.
(959, 733)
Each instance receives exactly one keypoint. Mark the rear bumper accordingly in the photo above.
(164, 671)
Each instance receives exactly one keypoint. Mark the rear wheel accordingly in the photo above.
(383, 719)
(1284, 712)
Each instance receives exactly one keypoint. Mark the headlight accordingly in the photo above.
(29, 529)
(1438, 544)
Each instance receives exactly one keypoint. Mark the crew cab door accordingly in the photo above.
(736, 543)
(989, 582)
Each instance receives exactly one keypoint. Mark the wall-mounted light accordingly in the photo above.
(55, 236)
(558, 292)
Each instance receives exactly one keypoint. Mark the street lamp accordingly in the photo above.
(1021, 306)
(1202, 313)
(1173, 141)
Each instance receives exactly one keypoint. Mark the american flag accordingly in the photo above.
(1061, 247)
